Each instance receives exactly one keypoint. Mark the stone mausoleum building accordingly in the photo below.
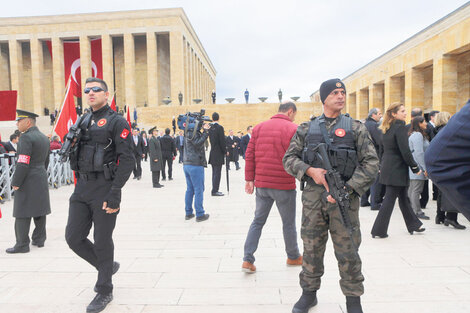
(430, 70)
(147, 56)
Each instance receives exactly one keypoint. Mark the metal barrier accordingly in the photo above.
(58, 174)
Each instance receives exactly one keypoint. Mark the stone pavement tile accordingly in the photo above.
(56, 295)
(136, 296)
(262, 263)
(388, 260)
(427, 291)
(328, 294)
(417, 306)
(264, 251)
(39, 279)
(240, 242)
(448, 258)
(120, 253)
(221, 309)
(24, 263)
(281, 279)
(407, 276)
(196, 253)
(69, 308)
(174, 265)
(230, 296)
(120, 280)
(140, 245)
(466, 269)
(196, 244)
(75, 264)
(206, 280)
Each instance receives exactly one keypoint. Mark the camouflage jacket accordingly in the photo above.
(368, 162)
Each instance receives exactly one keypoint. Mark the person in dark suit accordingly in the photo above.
(217, 153)
(10, 146)
(179, 141)
(432, 132)
(143, 135)
(156, 160)
(394, 174)
(168, 152)
(375, 191)
(138, 147)
(30, 184)
(448, 159)
(232, 149)
(245, 140)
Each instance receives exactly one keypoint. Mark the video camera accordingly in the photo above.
(192, 121)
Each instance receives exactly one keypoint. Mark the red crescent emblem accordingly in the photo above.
(340, 132)
(101, 122)
(124, 133)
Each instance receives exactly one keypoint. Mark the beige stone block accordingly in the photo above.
(176, 65)
(351, 104)
(58, 70)
(414, 90)
(376, 96)
(152, 70)
(392, 89)
(16, 69)
(129, 70)
(107, 55)
(85, 60)
(37, 67)
(362, 106)
(445, 74)
(4, 68)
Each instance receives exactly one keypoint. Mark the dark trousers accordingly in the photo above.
(365, 198)
(216, 173)
(442, 215)
(383, 217)
(180, 159)
(138, 168)
(423, 201)
(237, 165)
(169, 161)
(22, 226)
(86, 208)
(377, 192)
(155, 178)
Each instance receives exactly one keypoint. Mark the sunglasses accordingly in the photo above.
(95, 89)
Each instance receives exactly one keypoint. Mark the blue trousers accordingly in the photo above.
(194, 189)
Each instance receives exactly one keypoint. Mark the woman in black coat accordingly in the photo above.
(394, 174)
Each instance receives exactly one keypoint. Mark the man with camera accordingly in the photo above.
(194, 161)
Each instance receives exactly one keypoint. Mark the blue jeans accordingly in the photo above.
(194, 188)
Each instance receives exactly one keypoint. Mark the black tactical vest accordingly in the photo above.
(340, 142)
(95, 145)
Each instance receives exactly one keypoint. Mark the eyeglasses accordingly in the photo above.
(95, 89)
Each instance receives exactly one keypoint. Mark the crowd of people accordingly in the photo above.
(377, 161)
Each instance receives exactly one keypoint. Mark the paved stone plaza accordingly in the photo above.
(171, 265)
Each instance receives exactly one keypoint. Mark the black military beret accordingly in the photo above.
(328, 86)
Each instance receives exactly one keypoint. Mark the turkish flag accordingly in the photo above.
(68, 114)
(129, 117)
(72, 62)
(8, 105)
(113, 102)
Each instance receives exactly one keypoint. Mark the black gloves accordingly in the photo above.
(114, 198)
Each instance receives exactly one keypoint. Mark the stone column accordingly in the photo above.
(129, 71)
(186, 73)
(176, 65)
(376, 96)
(190, 73)
(414, 90)
(16, 69)
(391, 90)
(351, 104)
(108, 66)
(37, 70)
(152, 70)
(58, 71)
(4, 69)
(85, 60)
(444, 86)
(362, 104)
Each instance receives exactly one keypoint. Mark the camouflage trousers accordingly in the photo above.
(317, 218)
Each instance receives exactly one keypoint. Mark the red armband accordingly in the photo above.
(23, 158)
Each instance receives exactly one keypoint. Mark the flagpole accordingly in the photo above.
(67, 90)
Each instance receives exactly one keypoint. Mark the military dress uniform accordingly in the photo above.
(103, 162)
(32, 198)
(320, 216)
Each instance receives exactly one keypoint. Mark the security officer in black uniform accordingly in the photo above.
(102, 162)
(30, 184)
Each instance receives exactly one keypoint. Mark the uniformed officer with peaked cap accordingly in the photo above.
(30, 184)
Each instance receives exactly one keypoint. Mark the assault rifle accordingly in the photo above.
(337, 190)
(73, 137)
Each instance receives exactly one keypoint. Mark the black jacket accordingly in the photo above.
(194, 152)
(244, 143)
(431, 131)
(9, 147)
(168, 147)
(397, 156)
(218, 149)
(375, 134)
(233, 151)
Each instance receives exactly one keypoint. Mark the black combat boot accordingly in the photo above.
(306, 301)
(99, 303)
(353, 304)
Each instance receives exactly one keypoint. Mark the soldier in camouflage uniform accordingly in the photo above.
(320, 213)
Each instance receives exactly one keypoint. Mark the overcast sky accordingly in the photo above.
(264, 45)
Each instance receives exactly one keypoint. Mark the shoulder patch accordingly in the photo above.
(23, 158)
(124, 133)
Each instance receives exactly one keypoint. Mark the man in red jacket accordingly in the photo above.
(264, 170)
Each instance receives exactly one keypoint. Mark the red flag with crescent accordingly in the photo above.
(72, 62)
(113, 102)
(67, 114)
(129, 117)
